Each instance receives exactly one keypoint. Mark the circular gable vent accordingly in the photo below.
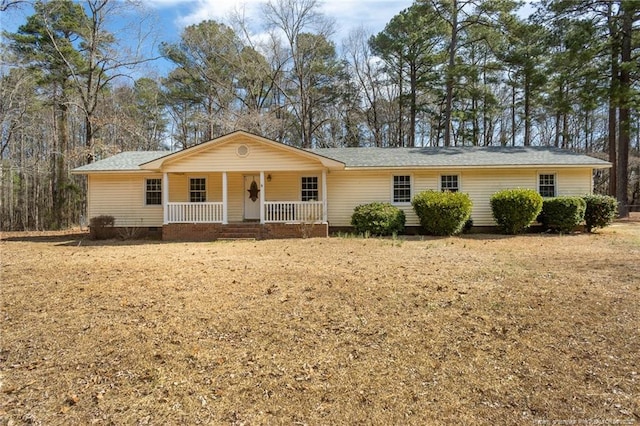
(242, 150)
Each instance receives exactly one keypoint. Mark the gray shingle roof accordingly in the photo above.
(431, 157)
(458, 157)
(124, 161)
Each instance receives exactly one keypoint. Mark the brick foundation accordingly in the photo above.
(215, 231)
(302, 230)
(191, 231)
(124, 233)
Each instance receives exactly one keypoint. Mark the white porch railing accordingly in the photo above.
(194, 212)
(293, 211)
(274, 212)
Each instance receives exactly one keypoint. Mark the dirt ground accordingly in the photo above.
(479, 329)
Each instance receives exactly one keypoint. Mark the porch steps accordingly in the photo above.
(240, 231)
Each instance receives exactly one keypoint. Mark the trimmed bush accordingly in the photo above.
(515, 209)
(600, 211)
(378, 219)
(562, 214)
(442, 213)
(101, 227)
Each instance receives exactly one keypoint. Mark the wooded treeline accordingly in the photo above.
(441, 73)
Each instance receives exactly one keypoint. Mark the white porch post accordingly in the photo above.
(225, 199)
(165, 198)
(262, 197)
(324, 196)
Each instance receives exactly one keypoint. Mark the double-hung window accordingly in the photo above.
(547, 185)
(402, 189)
(449, 183)
(197, 190)
(153, 192)
(309, 188)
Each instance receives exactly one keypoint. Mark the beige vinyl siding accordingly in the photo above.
(573, 181)
(287, 186)
(350, 188)
(225, 158)
(482, 184)
(179, 186)
(123, 197)
(235, 196)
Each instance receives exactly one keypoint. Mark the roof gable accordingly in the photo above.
(241, 151)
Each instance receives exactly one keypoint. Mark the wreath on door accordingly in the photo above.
(253, 191)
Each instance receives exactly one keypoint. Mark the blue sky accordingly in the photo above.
(348, 14)
(167, 18)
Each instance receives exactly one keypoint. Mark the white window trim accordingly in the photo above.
(144, 192)
(450, 174)
(555, 181)
(320, 195)
(411, 189)
(206, 188)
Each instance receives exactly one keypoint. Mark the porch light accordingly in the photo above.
(269, 178)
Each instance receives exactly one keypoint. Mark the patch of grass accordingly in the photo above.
(479, 329)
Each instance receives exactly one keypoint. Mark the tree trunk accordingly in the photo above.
(587, 138)
(89, 138)
(452, 60)
(513, 115)
(565, 130)
(59, 181)
(613, 93)
(400, 141)
(527, 110)
(556, 140)
(624, 141)
(413, 107)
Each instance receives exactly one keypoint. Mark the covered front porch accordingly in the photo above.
(244, 204)
(242, 179)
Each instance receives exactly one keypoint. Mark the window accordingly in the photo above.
(547, 185)
(309, 188)
(197, 190)
(153, 192)
(402, 189)
(449, 183)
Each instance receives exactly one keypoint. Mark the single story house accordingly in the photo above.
(243, 185)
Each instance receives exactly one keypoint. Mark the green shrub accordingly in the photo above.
(442, 213)
(600, 211)
(562, 214)
(515, 209)
(378, 219)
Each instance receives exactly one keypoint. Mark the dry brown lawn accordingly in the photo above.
(480, 329)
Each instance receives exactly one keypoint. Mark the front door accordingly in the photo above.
(252, 197)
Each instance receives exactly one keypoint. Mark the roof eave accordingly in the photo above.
(112, 172)
(500, 166)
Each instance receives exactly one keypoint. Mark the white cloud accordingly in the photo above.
(219, 10)
(348, 14)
